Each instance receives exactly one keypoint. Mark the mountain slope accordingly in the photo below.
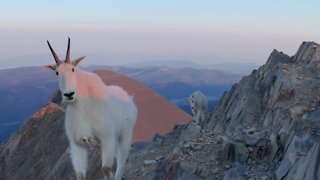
(280, 104)
(266, 127)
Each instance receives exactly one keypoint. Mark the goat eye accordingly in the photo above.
(72, 69)
(57, 73)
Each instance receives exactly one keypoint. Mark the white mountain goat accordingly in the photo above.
(199, 104)
(96, 115)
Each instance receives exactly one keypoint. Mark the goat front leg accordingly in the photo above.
(197, 116)
(107, 156)
(79, 160)
(194, 117)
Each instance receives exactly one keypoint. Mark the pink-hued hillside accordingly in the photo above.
(155, 114)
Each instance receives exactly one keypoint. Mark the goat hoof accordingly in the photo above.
(107, 173)
(80, 176)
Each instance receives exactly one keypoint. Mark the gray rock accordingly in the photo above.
(283, 169)
(148, 162)
(252, 138)
(301, 159)
(188, 176)
(237, 172)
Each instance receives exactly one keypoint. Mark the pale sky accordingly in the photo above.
(128, 31)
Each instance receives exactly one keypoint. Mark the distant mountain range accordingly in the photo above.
(103, 60)
(177, 84)
(24, 90)
(236, 68)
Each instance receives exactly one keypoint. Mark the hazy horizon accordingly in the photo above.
(205, 32)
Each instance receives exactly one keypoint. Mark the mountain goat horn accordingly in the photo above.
(68, 52)
(56, 58)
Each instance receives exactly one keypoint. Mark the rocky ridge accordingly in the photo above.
(266, 127)
(276, 110)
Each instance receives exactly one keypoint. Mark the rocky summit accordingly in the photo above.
(266, 127)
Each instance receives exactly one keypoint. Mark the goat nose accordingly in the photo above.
(69, 95)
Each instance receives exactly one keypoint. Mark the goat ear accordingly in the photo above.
(50, 67)
(77, 61)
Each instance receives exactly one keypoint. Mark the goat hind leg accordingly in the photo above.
(203, 116)
(107, 156)
(122, 155)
